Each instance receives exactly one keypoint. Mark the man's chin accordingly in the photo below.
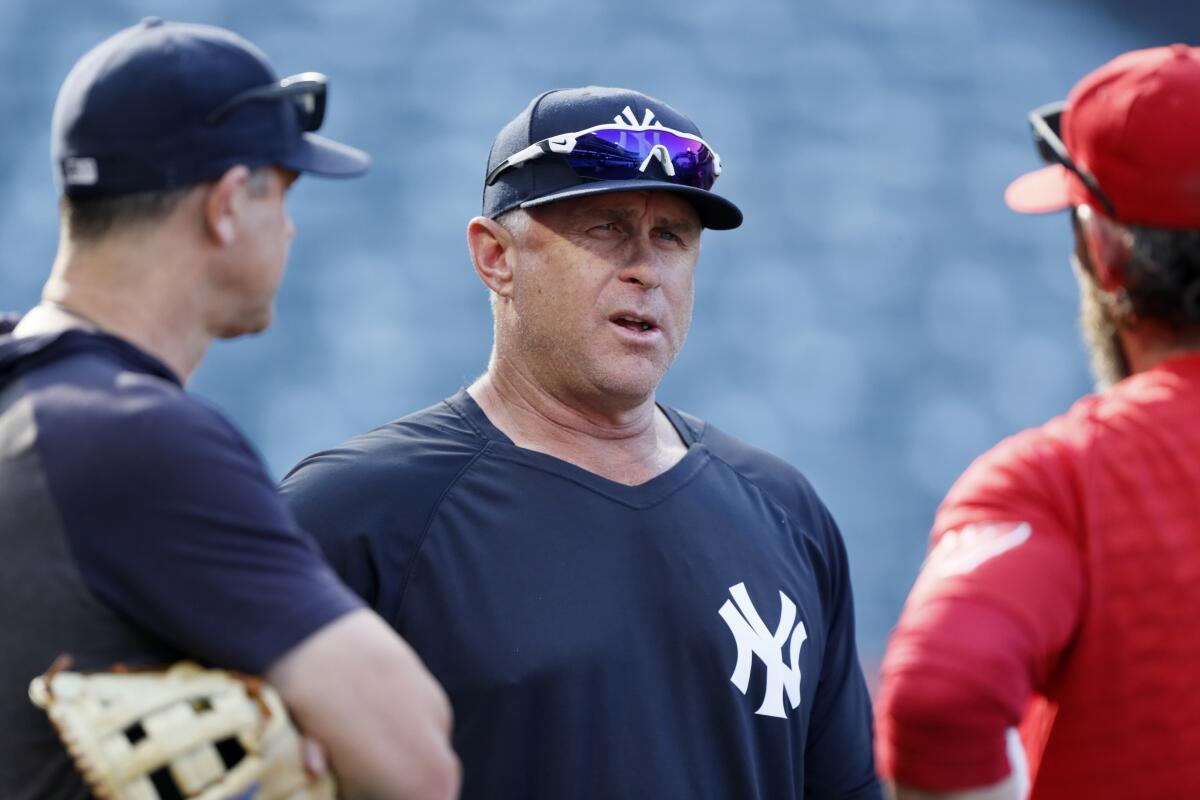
(246, 326)
(630, 386)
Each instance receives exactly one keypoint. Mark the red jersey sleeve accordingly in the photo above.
(996, 602)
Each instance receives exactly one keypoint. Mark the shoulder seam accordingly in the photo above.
(467, 421)
(765, 492)
(425, 529)
(821, 555)
(699, 431)
(1081, 482)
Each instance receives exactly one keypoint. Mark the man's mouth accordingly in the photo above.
(633, 323)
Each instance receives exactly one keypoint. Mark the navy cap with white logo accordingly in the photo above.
(576, 142)
(165, 104)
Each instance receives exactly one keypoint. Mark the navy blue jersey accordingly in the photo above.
(692, 636)
(136, 526)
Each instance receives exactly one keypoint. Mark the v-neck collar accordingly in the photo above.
(642, 495)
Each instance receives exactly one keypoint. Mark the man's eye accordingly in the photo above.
(669, 236)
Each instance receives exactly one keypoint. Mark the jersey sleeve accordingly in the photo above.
(369, 501)
(998, 599)
(173, 521)
(335, 498)
(838, 760)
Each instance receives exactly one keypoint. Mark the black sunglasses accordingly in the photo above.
(307, 92)
(1047, 135)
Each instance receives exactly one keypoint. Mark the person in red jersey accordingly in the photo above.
(1061, 594)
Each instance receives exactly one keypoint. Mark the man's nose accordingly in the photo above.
(643, 266)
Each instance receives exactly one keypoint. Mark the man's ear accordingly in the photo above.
(1108, 244)
(223, 205)
(492, 252)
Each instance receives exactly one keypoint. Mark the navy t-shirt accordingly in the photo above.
(137, 526)
(692, 636)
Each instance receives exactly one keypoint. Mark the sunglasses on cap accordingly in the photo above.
(616, 152)
(306, 91)
(1047, 136)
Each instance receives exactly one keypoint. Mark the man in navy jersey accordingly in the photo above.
(136, 524)
(620, 600)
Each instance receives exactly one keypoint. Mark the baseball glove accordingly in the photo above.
(185, 733)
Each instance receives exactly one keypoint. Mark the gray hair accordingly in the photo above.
(515, 221)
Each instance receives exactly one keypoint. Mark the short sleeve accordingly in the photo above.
(838, 757)
(369, 501)
(838, 760)
(336, 497)
(998, 599)
(174, 523)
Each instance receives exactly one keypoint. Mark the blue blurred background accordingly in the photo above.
(879, 320)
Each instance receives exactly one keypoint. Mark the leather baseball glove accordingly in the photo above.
(181, 733)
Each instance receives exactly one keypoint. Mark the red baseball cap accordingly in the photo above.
(1134, 126)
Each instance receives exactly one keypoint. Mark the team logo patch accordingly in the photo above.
(628, 119)
(755, 639)
(961, 551)
(80, 171)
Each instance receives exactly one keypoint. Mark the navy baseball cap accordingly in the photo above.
(536, 180)
(166, 104)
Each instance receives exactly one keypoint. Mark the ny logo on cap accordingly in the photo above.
(628, 119)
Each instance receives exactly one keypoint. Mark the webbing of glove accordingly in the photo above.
(184, 733)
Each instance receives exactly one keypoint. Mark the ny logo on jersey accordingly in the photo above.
(753, 637)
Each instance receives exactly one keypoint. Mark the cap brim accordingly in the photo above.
(715, 211)
(1040, 192)
(320, 156)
